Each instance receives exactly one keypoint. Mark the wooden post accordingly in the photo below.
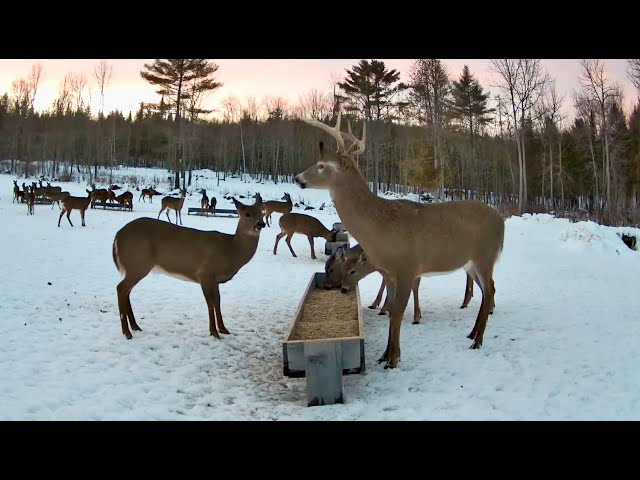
(323, 367)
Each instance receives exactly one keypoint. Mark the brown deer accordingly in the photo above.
(346, 267)
(291, 223)
(204, 203)
(173, 203)
(212, 207)
(101, 195)
(70, 203)
(31, 201)
(125, 200)
(17, 193)
(275, 206)
(51, 189)
(406, 240)
(208, 258)
(56, 197)
(148, 192)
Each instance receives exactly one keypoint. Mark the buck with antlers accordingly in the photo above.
(291, 223)
(148, 192)
(274, 206)
(173, 203)
(70, 203)
(406, 240)
(206, 258)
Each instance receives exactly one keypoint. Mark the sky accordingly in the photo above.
(289, 78)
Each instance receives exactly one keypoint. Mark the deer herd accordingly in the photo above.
(400, 239)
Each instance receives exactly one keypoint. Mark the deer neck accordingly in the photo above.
(356, 205)
(245, 245)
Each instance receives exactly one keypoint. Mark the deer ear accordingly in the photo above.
(340, 254)
(362, 258)
(238, 205)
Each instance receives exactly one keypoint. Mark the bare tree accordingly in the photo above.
(602, 93)
(522, 81)
(33, 81)
(230, 109)
(102, 72)
(633, 71)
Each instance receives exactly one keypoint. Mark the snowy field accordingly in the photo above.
(563, 344)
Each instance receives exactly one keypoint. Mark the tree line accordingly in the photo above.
(433, 133)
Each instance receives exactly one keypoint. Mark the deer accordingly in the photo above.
(51, 189)
(173, 203)
(17, 193)
(70, 203)
(407, 240)
(212, 207)
(204, 203)
(57, 197)
(347, 266)
(31, 201)
(101, 195)
(148, 192)
(125, 200)
(207, 258)
(275, 206)
(291, 223)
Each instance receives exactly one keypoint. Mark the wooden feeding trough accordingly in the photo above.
(342, 240)
(325, 341)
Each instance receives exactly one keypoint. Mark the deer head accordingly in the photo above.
(250, 217)
(324, 172)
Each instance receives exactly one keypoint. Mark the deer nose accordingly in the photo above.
(261, 224)
(344, 290)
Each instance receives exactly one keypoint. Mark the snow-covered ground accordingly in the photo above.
(563, 343)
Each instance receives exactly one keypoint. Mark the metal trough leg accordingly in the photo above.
(323, 367)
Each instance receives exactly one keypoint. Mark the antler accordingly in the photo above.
(354, 141)
(333, 131)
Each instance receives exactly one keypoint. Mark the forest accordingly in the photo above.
(441, 135)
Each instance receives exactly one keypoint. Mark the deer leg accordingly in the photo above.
(167, 212)
(124, 303)
(417, 314)
(389, 298)
(82, 216)
(209, 291)
(221, 327)
(62, 211)
(69, 216)
(288, 240)
(483, 277)
(179, 213)
(401, 292)
(278, 237)
(493, 303)
(468, 292)
(267, 219)
(161, 210)
(378, 299)
(313, 253)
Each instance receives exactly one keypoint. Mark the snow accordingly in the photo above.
(563, 343)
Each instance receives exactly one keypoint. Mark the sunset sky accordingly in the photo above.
(289, 78)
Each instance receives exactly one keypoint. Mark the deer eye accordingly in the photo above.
(330, 270)
(320, 166)
(352, 272)
(247, 214)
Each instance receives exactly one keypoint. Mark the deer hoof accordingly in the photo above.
(372, 307)
(223, 330)
(215, 334)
